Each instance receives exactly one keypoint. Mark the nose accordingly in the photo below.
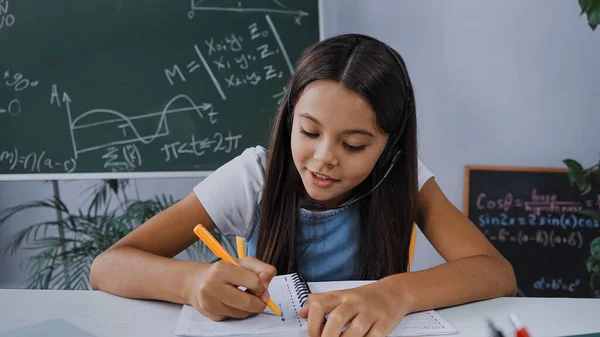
(325, 154)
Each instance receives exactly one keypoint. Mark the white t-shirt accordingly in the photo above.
(231, 194)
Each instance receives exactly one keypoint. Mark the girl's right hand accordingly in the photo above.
(215, 294)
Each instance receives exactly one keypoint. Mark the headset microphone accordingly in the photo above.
(305, 203)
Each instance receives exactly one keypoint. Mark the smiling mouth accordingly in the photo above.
(321, 180)
(322, 176)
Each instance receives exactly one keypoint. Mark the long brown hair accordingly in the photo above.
(367, 67)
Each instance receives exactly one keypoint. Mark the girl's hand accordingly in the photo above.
(371, 310)
(215, 294)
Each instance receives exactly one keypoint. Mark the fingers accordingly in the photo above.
(315, 319)
(317, 306)
(218, 311)
(337, 320)
(265, 271)
(237, 276)
(359, 326)
(378, 330)
(216, 294)
(236, 298)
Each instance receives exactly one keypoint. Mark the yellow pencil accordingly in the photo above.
(241, 247)
(222, 253)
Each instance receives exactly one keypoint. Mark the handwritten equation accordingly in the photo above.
(15, 82)
(544, 238)
(122, 158)
(556, 284)
(237, 60)
(35, 162)
(539, 203)
(12, 109)
(198, 148)
(6, 18)
(564, 221)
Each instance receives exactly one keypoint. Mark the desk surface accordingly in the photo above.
(105, 315)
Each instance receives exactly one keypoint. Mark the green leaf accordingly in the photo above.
(575, 171)
(593, 265)
(587, 189)
(592, 9)
(595, 248)
(113, 184)
(584, 4)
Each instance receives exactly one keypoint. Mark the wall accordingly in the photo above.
(497, 83)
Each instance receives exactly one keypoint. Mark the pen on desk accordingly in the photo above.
(521, 331)
(222, 253)
(495, 331)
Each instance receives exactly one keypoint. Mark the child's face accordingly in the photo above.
(334, 134)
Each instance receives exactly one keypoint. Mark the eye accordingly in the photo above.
(354, 148)
(308, 134)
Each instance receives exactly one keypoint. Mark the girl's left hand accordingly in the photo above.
(371, 310)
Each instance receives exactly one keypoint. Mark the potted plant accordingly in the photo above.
(65, 247)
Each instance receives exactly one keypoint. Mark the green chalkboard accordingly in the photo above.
(142, 86)
(540, 224)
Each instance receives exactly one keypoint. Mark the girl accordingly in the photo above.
(334, 197)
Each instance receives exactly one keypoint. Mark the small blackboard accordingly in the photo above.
(533, 216)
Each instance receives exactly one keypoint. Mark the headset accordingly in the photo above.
(392, 151)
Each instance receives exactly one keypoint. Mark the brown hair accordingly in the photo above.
(367, 67)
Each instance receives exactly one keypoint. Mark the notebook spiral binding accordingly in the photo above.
(301, 287)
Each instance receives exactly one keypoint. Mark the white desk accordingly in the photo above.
(106, 315)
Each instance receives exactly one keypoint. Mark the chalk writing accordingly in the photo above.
(129, 132)
(6, 19)
(13, 109)
(278, 8)
(126, 158)
(556, 284)
(198, 147)
(17, 81)
(539, 203)
(564, 221)
(35, 162)
(235, 60)
(545, 238)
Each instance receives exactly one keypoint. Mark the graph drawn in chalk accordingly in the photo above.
(115, 128)
(262, 6)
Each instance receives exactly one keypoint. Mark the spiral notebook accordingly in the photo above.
(289, 292)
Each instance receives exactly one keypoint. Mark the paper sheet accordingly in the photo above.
(192, 323)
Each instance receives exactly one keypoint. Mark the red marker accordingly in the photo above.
(521, 331)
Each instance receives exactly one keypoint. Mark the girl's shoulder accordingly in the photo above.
(231, 194)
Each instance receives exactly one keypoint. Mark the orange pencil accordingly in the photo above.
(222, 253)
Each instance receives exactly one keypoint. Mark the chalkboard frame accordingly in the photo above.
(132, 175)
